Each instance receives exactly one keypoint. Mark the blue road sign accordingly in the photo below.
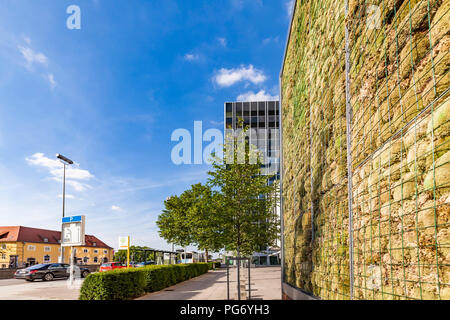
(72, 219)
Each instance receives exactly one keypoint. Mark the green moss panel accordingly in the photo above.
(399, 81)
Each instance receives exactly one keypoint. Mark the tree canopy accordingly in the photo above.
(173, 222)
(235, 210)
(137, 254)
(247, 199)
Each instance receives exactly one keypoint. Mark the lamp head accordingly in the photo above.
(61, 157)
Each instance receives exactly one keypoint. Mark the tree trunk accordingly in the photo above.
(206, 255)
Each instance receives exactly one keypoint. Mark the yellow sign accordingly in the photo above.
(124, 243)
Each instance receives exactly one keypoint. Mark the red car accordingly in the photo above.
(111, 266)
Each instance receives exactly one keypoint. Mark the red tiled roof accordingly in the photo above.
(25, 234)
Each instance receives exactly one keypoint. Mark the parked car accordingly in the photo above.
(48, 272)
(111, 266)
(143, 264)
(134, 264)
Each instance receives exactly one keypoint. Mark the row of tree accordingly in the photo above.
(234, 210)
(137, 254)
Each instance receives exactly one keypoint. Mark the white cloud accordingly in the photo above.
(36, 58)
(55, 168)
(270, 39)
(290, 7)
(191, 57)
(78, 186)
(116, 208)
(260, 96)
(222, 41)
(68, 196)
(228, 77)
(51, 80)
(216, 123)
(38, 159)
(33, 57)
(240, 4)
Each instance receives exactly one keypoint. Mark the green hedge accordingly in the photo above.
(113, 285)
(123, 284)
(211, 265)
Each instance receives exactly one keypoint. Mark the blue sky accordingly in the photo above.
(110, 95)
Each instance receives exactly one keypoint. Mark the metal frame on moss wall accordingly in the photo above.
(348, 116)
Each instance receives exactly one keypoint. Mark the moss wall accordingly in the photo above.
(399, 88)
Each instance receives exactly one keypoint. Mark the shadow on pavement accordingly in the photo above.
(191, 288)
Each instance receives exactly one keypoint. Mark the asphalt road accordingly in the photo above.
(14, 289)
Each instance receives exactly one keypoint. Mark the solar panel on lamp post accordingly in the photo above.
(65, 161)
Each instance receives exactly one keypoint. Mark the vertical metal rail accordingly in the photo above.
(238, 276)
(228, 279)
(311, 173)
(348, 116)
(311, 170)
(249, 281)
(63, 212)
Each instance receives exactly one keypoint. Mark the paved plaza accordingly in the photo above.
(265, 285)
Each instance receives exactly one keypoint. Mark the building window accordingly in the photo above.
(3, 246)
(94, 244)
(105, 251)
(31, 248)
(47, 249)
(95, 259)
(85, 260)
(46, 258)
(96, 251)
(246, 111)
(3, 256)
(45, 239)
(86, 251)
(262, 107)
(238, 112)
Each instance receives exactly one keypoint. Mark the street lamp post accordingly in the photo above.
(65, 161)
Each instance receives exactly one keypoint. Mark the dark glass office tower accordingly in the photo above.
(263, 120)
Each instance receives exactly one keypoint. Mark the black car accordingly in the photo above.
(48, 272)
